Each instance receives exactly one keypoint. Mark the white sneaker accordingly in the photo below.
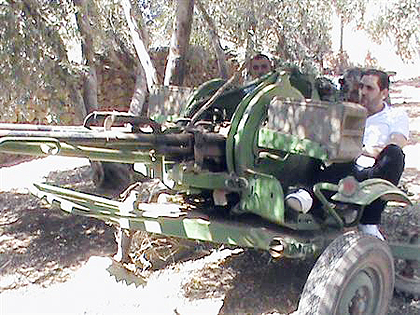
(300, 201)
(371, 229)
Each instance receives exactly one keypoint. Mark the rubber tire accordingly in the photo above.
(352, 261)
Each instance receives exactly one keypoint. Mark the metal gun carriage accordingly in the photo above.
(225, 166)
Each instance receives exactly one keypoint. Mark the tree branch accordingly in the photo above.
(219, 92)
(90, 84)
(139, 46)
(175, 67)
(221, 58)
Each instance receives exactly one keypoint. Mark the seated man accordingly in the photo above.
(386, 133)
(349, 85)
(259, 65)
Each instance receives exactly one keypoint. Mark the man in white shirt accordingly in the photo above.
(386, 133)
(384, 125)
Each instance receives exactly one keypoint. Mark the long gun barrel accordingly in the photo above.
(120, 144)
(144, 141)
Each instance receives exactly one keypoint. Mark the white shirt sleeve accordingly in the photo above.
(380, 126)
(399, 122)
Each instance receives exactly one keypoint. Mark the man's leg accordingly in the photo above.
(373, 212)
(335, 172)
(389, 165)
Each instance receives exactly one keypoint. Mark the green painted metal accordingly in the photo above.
(263, 196)
(360, 290)
(235, 150)
(335, 127)
(326, 205)
(51, 146)
(273, 139)
(405, 251)
(237, 117)
(174, 220)
(119, 145)
(372, 189)
(366, 192)
(187, 176)
(204, 90)
(245, 145)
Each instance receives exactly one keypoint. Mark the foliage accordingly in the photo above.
(34, 71)
(110, 27)
(338, 63)
(291, 30)
(158, 16)
(38, 82)
(398, 21)
(351, 10)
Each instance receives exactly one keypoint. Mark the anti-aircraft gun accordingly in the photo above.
(225, 166)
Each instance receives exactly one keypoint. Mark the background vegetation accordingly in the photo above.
(60, 59)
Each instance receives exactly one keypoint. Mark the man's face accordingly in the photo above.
(259, 67)
(371, 95)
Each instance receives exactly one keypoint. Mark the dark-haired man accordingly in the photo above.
(259, 65)
(386, 133)
(385, 125)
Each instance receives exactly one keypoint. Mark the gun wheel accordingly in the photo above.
(401, 226)
(407, 273)
(354, 275)
(409, 286)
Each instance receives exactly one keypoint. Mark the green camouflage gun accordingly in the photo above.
(225, 167)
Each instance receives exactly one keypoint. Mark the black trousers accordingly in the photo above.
(388, 165)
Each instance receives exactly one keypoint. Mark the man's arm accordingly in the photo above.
(395, 138)
(372, 151)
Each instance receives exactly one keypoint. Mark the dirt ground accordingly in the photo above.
(57, 263)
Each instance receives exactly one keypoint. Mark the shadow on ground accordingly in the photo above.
(42, 245)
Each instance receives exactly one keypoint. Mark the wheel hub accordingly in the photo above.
(359, 302)
(358, 297)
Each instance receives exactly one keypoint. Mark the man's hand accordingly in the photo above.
(398, 139)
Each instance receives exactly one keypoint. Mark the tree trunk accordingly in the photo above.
(341, 34)
(90, 85)
(145, 79)
(220, 54)
(251, 27)
(138, 105)
(90, 90)
(77, 99)
(175, 67)
(138, 41)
